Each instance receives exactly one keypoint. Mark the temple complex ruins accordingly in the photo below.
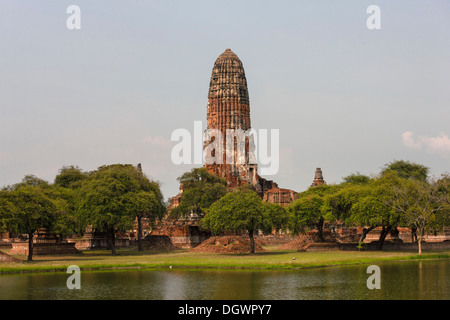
(228, 108)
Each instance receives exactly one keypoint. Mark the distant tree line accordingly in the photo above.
(110, 199)
(113, 197)
(401, 195)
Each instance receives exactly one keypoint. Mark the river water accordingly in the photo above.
(398, 280)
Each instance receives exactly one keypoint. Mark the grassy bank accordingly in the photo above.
(273, 259)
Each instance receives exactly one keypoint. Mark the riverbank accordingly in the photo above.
(271, 259)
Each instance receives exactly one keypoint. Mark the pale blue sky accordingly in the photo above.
(113, 92)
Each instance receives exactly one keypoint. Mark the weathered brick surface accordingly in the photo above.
(281, 196)
(41, 248)
(229, 108)
(318, 178)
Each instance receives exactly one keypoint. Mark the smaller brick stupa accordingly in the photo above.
(318, 178)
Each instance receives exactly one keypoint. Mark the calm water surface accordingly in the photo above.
(400, 280)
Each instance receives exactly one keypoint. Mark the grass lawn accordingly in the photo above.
(272, 259)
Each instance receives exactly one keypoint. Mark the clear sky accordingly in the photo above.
(345, 98)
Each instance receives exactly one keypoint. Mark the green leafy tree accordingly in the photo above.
(357, 178)
(146, 202)
(29, 210)
(366, 204)
(307, 213)
(370, 211)
(374, 208)
(309, 210)
(31, 181)
(419, 203)
(141, 203)
(103, 200)
(278, 216)
(6, 209)
(407, 170)
(443, 190)
(200, 190)
(66, 219)
(66, 185)
(238, 211)
(70, 177)
(114, 196)
(342, 205)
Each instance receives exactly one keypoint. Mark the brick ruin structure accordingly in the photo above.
(318, 178)
(228, 108)
(281, 196)
(44, 243)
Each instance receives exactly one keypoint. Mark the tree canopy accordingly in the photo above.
(309, 210)
(200, 190)
(26, 209)
(243, 210)
(70, 177)
(113, 196)
(407, 170)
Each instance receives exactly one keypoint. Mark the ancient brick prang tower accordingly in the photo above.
(228, 102)
(229, 109)
(318, 178)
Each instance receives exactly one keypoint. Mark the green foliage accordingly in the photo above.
(340, 203)
(200, 190)
(141, 203)
(443, 191)
(357, 178)
(6, 209)
(113, 195)
(311, 209)
(34, 204)
(243, 210)
(66, 220)
(32, 181)
(306, 212)
(236, 211)
(407, 170)
(372, 207)
(154, 207)
(420, 205)
(191, 178)
(29, 209)
(277, 215)
(70, 177)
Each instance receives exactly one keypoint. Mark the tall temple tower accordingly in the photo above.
(229, 108)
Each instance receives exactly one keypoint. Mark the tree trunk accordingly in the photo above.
(364, 234)
(384, 233)
(113, 242)
(30, 246)
(139, 233)
(320, 230)
(419, 232)
(252, 242)
(413, 234)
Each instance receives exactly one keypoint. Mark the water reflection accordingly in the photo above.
(405, 280)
